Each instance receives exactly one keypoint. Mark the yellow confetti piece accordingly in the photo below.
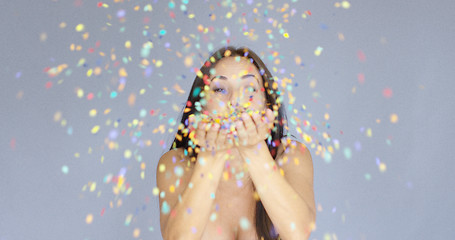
(188, 61)
(127, 154)
(393, 118)
(136, 232)
(286, 35)
(318, 51)
(97, 71)
(159, 63)
(95, 129)
(312, 83)
(382, 167)
(228, 15)
(89, 72)
(62, 25)
(128, 44)
(156, 191)
(345, 4)
(107, 110)
(85, 35)
(369, 132)
(93, 187)
(89, 218)
(298, 60)
(162, 167)
(326, 116)
(120, 181)
(57, 116)
(43, 37)
(122, 72)
(148, 8)
(80, 27)
(341, 36)
(172, 189)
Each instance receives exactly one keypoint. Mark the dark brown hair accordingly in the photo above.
(264, 226)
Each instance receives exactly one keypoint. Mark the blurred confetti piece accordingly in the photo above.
(188, 61)
(136, 232)
(80, 27)
(165, 209)
(361, 56)
(178, 89)
(92, 113)
(382, 167)
(347, 153)
(156, 191)
(43, 37)
(128, 219)
(244, 223)
(95, 129)
(128, 44)
(341, 36)
(387, 92)
(361, 78)
(89, 218)
(57, 116)
(62, 25)
(393, 118)
(345, 4)
(12, 143)
(65, 169)
(318, 51)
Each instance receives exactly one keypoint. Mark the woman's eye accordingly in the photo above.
(219, 90)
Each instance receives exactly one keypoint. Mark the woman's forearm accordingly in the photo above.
(191, 213)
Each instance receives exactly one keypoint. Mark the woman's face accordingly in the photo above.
(235, 85)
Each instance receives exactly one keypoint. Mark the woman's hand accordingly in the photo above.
(251, 130)
(210, 136)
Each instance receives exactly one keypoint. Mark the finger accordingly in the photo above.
(221, 139)
(200, 134)
(212, 132)
(269, 118)
(242, 133)
(250, 126)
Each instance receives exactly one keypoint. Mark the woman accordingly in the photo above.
(231, 173)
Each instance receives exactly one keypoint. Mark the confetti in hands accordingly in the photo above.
(237, 129)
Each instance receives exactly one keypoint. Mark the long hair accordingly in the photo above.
(264, 226)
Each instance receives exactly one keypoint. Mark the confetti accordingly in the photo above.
(89, 219)
(393, 118)
(244, 223)
(65, 169)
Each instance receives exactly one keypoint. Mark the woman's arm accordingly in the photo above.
(190, 211)
(286, 195)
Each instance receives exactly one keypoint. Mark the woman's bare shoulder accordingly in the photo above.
(173, 158)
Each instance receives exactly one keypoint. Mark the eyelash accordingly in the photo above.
(217, 89)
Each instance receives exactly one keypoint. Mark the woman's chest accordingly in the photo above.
(232, 218)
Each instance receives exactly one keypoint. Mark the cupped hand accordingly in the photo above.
(210, 136)
(251, 130)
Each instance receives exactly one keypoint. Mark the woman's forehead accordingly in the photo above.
(235, 66)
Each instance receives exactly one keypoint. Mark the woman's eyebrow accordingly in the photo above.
(242, 77)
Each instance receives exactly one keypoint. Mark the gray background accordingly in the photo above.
(408, 47)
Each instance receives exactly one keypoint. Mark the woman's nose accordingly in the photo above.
(237, 100)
